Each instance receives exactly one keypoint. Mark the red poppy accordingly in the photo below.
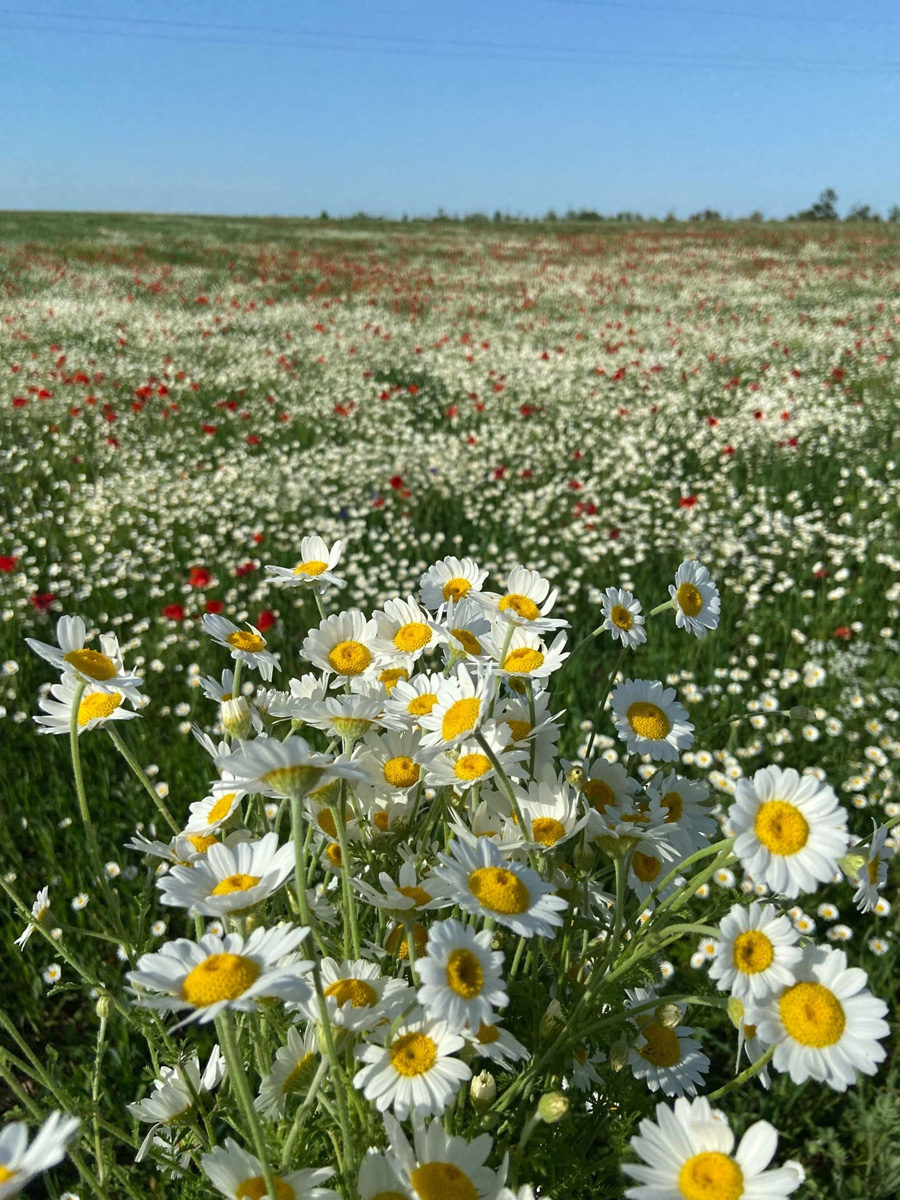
(43, 600)
(396, 482)
(214, 606)
(687, 501)
(245, 568)
(843, 632)
(173, 612)
(8, 563)
(265, 620)
(199, 577)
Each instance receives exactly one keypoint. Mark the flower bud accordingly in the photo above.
(801, 713)
(735, 1011)
(104, 1006)
(576, 777)
(483, 1091)
(552, 1107)
(618, 1056)
(553, 1021)
(668, 1015)
(236, 718)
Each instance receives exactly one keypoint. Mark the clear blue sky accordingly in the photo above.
(402, 106)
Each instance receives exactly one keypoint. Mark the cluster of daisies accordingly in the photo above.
(389, 841)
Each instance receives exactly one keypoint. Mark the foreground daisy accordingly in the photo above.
(756, 952)
(687, 1155)
(215, 973)
(826, 1025)
(103, 667)
(96, 706)
(344, 646)
(20, 1163)
(413, 1067)
(667, 1057)
(175, 1093)
(460, 975)
(480, 881)
(650, 720)
(357, 995)
(528, 601)
(291, 1074)
(442, 1167)
(872, 873)
(229, 880)
(238, 1175)
(622, 617)
(695, 599)
(450, 580)
(248, 645)
(460, 708)
(287, 769)
(315, 568)
(790, 831)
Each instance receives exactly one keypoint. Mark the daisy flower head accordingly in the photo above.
(441, 1167)
(229, 880)
(315, 568)
(292, 1072)
(39, 912)
(344, 645)
(528, 601)
(515, 711)
(756, 952)
(468, 765)
(175, 1093)
(491, 1041)
(96, 706)
(550, 809)
(247, 645)
(622, 617)
(872, 873)
(102, 668)
(695, 599)
(604, 783)
(410, 895)
(790, 831)
(208, 976)
(411, 1066)
(665, 1055)
(405, 631)
(464, 628)
(461, 707)
(826, 1025)
(287, 769)
(449, 581)
(344, 716)
(220, 689)
(377, 1178)
(460, 975)
(685, 802)
(357, 995)
(412, 699)
(396, 761)
(212, 812)
(238, 1175)
(480, 881)
(20, 1163)
(650, 720)
(688, 1154)
(525, 654)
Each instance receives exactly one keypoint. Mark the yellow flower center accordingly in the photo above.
(749, 1031)
(487, 1034)
(753, 952)
(412, 636)
(333, 854)
(413, 1054)
(460, 717)
(621, 617)
(521, 605)
(359, 993)
(689, 599)
(645, 866)
(242, 639)
(812, 1015)
(219, 977)
(419, 895)
(520, 729)
(547, 830)
(326, 822)
(872, 869)
(391, 676)
(219, 810)
(397, 944)
(781, 827)
(523, 661)
(674, 806)
(293, 781)
(99, 705)
(6, 1174)
(442, 1181)
(381, 821)
(391, 1196)
(472, 766)
(662, 1047)
(421, 706)
(314, 567)
(456, 588)
(464, 974)
(711, 1176)
(235, 883)
(648, 720)
(467, 640)
(349, 658)
(401, 772)
(91, 663)
(301, 1076)
(255, 1189)
(202, 841)
(499, 890)
(599, 794)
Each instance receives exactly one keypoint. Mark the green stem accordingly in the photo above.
(241, 1090)
(507, 789)
(602, 705)
(95, 1098)
(142, 777)
(302, 1112)
(753, 1069)
(351, 926)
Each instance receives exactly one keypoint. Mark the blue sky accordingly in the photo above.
(398, 106)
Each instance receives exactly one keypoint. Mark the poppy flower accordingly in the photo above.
(265, 620)
(8, 563)
(199, 577)
(173, 612)
(42, 600)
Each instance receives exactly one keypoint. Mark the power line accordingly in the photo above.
(795, 18)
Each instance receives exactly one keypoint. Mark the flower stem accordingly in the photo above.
(241, 1090)
(142, 777)
(753, 1069)
(602, 705)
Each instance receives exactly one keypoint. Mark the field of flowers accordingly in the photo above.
(518, 450)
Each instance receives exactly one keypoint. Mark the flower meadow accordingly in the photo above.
(450, 704)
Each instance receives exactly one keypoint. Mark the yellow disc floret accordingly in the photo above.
(301, 1076)
(523, 606)
(547, 830)
(356, 992)
(499, 890)
(460, 717)
(413, 1054)
(249, 643)
(472, 766)
(648, 720)
(645, 866)
(467, 640)
(690, 601)
(219, 977)
(418, 895)
(443, 1181)
(314, 567)
(600, 795)
(219, 810)
(349, 658)
(711, 1176)
(523, 661)
(753, 952)
(674, 806)
(401, 772)
(812, 1014)
(662, 1048)
(297, 780)
(98, 706)
(412, 636)
(456, 588)
(464, 974)
(91, 663)
(421, 706)
(621, 617)
(235, 883)
(255, 1189)
(781, 827)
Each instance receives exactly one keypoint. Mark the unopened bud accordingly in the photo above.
(576, 777)
(104, 1006)
(552, 1021)
(236, 718)
(483, 1091)
(735, 1011)
(618, 1056)
(668, 1015)
(801, 713)
(552, 1107)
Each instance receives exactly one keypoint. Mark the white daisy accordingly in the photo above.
(480, 881)
(469, 765)
(396, 761)
(284, 769)
(872, 873)
(315, 568)
(96, 706)
(402, 899)
(460, 975)
(215, 973)
(695, 599)
(102, 668)
(826, 1025)
(248, 645)
(39, 912)
(344, 646)
(685, 803)
(442, 1167)
(221, 689)
(604, 783)
(175, 1093)
(550, 809)
(292, 1072)
(412, 1067)
(345, 716)
(666, 1056)
(515, 711)
(377, 1178)
(450, 580)
(412, 699)
(756, 952)
(238, 1175)
(622, 617)
(650, 720)
(20, 1163)
(790, 831)
(528, 601)
(465, 628)
(357, 995)
(524, 654)
(229, 881)
(212, 812)
(405, 630)
(461, 708)
(491, 1041)
(689, 1156)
